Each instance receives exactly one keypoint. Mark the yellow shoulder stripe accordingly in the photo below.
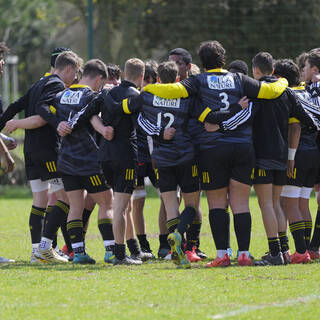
(53, 110)
(167, 90)
(204, 114)
(293, 120)
(272, 90)
(218, 70)
(125, 106)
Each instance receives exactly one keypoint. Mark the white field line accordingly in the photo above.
(246, 309)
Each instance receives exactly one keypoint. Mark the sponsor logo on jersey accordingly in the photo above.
(222, 82)
(71, 97)
(167, 103)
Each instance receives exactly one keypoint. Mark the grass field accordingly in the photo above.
(156, 290)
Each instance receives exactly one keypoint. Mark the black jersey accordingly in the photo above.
(78, 152)
(41, 142)
(143, 147)
(218, 89)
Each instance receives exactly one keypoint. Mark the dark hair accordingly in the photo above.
(95, 67)
(263, 61)
(168, 71)
(151, 71)
(212, 54)
(301, 60)
(314, 58)
(185, 54)
(54, 54)
(3, 48)
(114, 71)
(238, 66)
(286, 68)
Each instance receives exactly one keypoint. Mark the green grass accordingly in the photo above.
(156, 290)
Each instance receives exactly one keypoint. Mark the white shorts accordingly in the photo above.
(53, 185)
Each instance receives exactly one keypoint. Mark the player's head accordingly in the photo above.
(3, 50)
(286, 68)
(134, 71)
(238, 66)
(262, 65)
(301, 61)
(95, 71)
(66, 66)
(54, 54)
(312, 64)
(114, 74)
(183, 59)
(212, 55)
(194, 70)
(168, 72)
(150, 74)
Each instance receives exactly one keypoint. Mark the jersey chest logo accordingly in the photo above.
(220, 82)
(71, 97)
(166, 103)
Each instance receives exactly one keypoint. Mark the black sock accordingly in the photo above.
(85, 219)
(120, 251)
(315, 242)
(144, 243)
(133, 246)
(54, 240)
(284, 241)
(193, 234)
(105, 228)
(297, 230)
(36, 223)
(274, 246)
(228, 225)
(55, 219)
(172, 224)
(242, 228)
(163, 241)
(307, 232)
(218, 219)
(186, 218)
(74, 228)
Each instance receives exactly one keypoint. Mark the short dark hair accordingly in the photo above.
(263, 61)
(3, 48)
(95, 67)
(67, 58)
(301, 60)
(54, 54)
(212, 54)
(168, 71)
(185, 54)
(151, 71)
(314, 58)
(114, 71)
(238, 66)
(286, 68)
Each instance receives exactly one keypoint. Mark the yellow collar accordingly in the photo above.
(298, 88)
(218, 70)
(79, 86)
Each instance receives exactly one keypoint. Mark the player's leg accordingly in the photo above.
(164, 247)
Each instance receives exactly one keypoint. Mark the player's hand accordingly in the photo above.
(11, 125)
(108, 133)
(169, 133)
(211, 127)
(315, 78)
(8, 162)
(244, 102)
(290, 168)
(64, 129)
(11, 143)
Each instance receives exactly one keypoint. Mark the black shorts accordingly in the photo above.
(44, 170)
(183, 175)
(266, 176)
(305, 172)
(93, 184)
(224, 162)
(145, 169)
(122, 177)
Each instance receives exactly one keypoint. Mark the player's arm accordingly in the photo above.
(9, 142)
(293, 142)
(31, 122)
(184, 89)
(6, 157)
(263, 90)
(106, 131)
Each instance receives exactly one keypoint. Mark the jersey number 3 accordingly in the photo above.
(165, 115)
(224, 100)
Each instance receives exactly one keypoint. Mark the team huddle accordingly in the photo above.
(92, 139)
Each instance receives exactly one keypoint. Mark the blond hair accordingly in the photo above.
(67, 58)
(134, 69)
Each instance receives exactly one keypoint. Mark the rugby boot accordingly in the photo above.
(83, 258)
(300, 257)
(49, 255)
(314, 254)
(192, 255)
(243, 260)
(270, 260)
(177, 254)
(126, 261)
(219, 262)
